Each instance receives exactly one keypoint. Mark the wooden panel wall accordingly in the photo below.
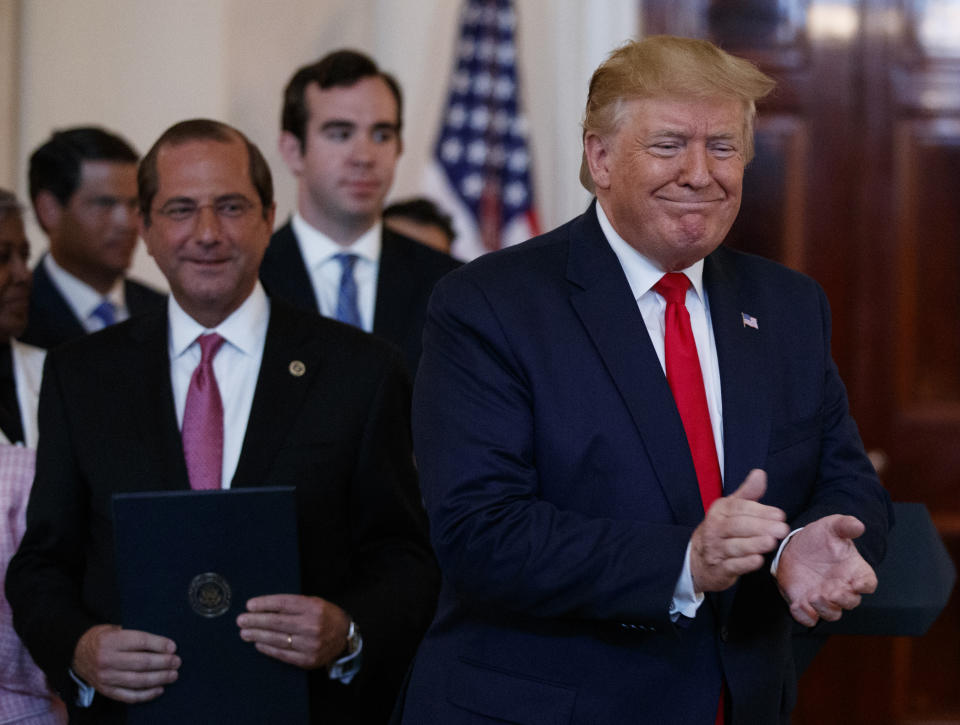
(857, 183)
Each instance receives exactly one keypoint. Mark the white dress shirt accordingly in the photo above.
(236, 366)
(319, 252)
(642, 275)
(84, 299)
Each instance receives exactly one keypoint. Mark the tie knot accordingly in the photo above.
(673, 287)
(209, 344)
(346, 261)
(105, 312)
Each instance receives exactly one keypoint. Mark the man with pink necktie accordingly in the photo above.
(226, 388)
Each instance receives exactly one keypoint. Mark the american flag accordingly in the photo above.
(482, 148)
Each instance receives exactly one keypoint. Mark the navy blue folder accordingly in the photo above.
(187, 562)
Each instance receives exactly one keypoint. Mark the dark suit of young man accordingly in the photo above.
(408, 271)
(53, 322)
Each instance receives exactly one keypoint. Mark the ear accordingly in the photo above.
(49, 210)
(292, 152)
(144, 232)
(597, 155)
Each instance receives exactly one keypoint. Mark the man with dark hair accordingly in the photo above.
(302, 401)
(341, 139)
(421, 219)
(83, 190)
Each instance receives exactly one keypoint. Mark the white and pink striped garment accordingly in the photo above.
(25, 698)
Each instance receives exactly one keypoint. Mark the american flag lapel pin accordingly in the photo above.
(749, 320)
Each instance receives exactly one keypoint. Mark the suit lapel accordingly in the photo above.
(396, 288)
(604, 302)
(291, 361)
(152, 392)
(741, 354)
(284, 273)
(744, 381)
(62, 323)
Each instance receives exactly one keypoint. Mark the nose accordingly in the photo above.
(207, 227)
(695, 171)
(125, 214)
(19, 269)
(362, 150)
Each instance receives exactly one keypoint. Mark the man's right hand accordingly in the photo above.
(125, 664)
(735, 534)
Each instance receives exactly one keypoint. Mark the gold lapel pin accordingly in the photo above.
(297, 368)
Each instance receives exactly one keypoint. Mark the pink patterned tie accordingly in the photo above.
(203, 420)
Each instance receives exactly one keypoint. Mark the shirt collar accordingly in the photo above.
(83, 298)
(317, 248)
(245, 328)
(642, 273)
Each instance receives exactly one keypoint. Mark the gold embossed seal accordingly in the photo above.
(209, 594)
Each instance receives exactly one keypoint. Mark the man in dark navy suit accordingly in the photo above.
(305, 402)
(341, 138)
(83, 185)
(634, 447)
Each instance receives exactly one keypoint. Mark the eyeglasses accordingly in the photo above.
(181, 211)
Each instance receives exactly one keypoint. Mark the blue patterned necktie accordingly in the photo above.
(105, 312)
(347, 310)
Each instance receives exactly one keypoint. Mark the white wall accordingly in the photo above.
(137, 66)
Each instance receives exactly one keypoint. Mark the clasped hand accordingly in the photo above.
(735, 535)
(133, 666)
(125, 664)
(820, 572)
(307, 632)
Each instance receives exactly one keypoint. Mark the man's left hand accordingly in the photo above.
(821, 573)
(307, 632)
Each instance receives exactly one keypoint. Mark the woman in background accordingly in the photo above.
(25, 698)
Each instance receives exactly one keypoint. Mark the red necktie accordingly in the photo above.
(686, 381)
(203, 420)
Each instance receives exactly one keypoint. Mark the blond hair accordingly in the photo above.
(666, 65)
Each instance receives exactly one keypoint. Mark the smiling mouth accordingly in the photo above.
(363, 186)
(690, 202)
(207, 262)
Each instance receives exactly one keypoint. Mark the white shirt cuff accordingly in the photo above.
(776, 560)
(346, 668)
(685, 600)
(85, 692)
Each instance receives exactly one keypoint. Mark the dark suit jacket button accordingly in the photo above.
(724, 634)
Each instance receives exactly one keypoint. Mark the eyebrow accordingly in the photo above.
(661, 134)
(113, 198)
(190, 200)
(338, 124)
